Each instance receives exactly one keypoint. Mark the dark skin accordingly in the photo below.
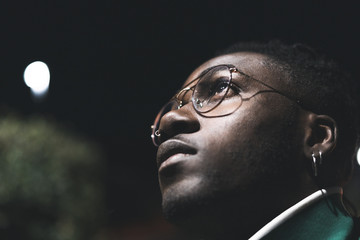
(228, 176)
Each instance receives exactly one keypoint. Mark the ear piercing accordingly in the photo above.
(316, 163)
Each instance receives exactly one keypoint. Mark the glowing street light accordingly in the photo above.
(37, 78)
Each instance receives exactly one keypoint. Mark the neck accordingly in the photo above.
(235, 218)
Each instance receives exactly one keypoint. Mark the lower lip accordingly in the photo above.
(179, 157)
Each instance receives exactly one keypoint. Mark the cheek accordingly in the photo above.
(229, 133)
(224, 147)
(245, 146)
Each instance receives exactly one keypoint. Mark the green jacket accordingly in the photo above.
(325, 219)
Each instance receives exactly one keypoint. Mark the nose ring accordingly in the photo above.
(157, 133)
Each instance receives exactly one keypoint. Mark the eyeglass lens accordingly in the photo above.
(212, 96)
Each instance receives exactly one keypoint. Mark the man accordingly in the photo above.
(257, 144)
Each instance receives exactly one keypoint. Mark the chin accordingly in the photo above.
(184, 200)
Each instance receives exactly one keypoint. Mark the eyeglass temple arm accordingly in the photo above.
(297, 101)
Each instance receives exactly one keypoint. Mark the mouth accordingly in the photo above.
(172, 152)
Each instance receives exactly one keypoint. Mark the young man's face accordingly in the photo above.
(207, 161)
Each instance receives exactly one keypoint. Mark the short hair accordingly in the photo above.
(323, 87)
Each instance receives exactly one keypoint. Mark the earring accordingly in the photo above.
(315, 162)
(320, 156)
(157, 133)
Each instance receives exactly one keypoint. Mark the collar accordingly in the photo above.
(290, 212)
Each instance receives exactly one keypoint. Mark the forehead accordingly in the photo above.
(255, 65)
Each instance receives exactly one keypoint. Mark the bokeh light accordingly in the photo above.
(358, 156)
(37, 78)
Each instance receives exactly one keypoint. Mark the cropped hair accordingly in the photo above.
(323, 87)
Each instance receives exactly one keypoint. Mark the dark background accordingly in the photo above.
(114, 63)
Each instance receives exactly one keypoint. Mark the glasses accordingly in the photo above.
(214, 94)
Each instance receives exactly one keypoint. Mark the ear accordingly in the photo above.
(320, 135)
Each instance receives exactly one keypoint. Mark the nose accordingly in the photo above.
(183, 120)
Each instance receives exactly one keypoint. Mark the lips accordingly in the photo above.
(172, 151)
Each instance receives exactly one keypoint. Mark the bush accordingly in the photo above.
(50, 181)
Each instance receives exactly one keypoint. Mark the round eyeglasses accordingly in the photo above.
(214, 94)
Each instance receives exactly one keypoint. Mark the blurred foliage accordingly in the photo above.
(50, 181)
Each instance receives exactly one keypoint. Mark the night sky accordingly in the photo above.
(114, 63)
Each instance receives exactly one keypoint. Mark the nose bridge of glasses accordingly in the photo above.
(233, 69)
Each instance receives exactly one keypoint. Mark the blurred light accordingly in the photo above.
(37, 78)
(358, 156)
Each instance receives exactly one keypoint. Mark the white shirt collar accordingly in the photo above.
(284, 216)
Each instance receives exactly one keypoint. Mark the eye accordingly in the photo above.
(222, 87)
(219, 87)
